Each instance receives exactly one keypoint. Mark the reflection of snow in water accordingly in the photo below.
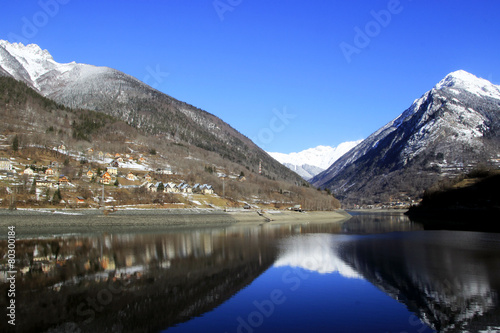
(315, 253)
(471, 298)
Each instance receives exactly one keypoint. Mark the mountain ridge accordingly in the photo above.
(310, 162)
(124, 97)
(448, 130)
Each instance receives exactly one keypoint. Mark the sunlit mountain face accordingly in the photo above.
(450, 130)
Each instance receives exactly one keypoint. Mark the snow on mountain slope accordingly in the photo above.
(38, 69)
(308, 163)
(109, 91)
(305, 171)
(463, 80)
(450, 129)
(30, 63)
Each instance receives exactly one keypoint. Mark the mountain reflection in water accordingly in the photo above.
(137, 282)
(148, 281)
(449, 279)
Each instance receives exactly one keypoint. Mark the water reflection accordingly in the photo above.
(309, 289)
(370, 223)
(122, 281)
(151, 280)
(317, 253)
(450, 280)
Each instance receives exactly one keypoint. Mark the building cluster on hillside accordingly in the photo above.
(44, 176)
(123, 170)
(180, 188)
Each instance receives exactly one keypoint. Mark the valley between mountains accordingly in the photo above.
(83, 121)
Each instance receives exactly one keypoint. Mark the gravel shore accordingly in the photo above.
(32, 222)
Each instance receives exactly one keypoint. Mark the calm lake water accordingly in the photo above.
(372, 273)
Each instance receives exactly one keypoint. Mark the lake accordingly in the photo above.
(372, 273)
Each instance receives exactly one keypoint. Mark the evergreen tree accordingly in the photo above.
(15, 143)
(57, 197)
(160, 188)
(33, 187)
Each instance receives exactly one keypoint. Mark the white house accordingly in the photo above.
(171, 188)
(5, 164)
(112, 170)
(152, 187)
(28, 171)
(44, 183)
(206, 189)
(185, 188)
(165, 171)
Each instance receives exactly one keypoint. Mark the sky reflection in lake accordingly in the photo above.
(370, 274)
(309, 288)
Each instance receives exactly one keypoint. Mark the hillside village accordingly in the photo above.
(93, 178)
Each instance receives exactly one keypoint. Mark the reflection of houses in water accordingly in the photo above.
(153, 269)
(129, 260)
(107, 263)
(207, 244)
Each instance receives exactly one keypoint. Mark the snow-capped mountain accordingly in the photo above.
(37, 68)
(72, 84)
(310, 162)
(449, 130)
(106, 90)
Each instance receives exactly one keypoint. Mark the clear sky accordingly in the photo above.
(289, 74)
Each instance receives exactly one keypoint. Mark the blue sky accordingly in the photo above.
(289, 74)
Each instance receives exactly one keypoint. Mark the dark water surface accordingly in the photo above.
(373, 273)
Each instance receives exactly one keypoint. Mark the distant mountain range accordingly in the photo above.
(451, 129)
(109, 91)
(310, 162)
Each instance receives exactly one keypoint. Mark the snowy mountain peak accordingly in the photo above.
(448, 131)
(30, 51)
(34, 61)
(310, 162)
(463, 80)
(37, 68)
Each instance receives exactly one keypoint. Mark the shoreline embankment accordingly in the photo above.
(46, 221)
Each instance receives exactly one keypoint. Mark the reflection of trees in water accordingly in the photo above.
(139, 282)
(379, 223)
(450, 280)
